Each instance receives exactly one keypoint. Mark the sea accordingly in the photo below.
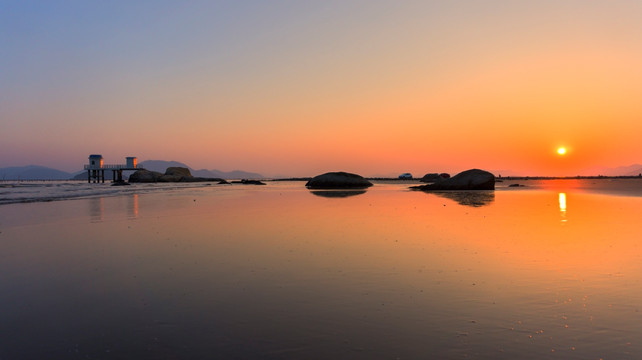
(543, 269)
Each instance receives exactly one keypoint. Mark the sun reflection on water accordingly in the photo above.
(562, 202)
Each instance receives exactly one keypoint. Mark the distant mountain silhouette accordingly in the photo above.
(631, 170)
(162, 165)
(33, 172)
(234, 174)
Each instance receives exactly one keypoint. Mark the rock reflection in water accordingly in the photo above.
(337, 193)
(473, 198)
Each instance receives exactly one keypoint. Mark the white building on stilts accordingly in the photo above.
(96, 168)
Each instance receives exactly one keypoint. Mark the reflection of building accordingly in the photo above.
(132, 206)
(96, 168)
(96, 209)
(117, 205)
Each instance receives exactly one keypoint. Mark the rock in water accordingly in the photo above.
(252, 182)
(473, 179)
(248, 182)
(434, 177)
(338, 180)
(430, 177)
(176, 174)
(172, 174)
(144, 176)
(178, 171)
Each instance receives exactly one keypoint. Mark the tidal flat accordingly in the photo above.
(552, 269)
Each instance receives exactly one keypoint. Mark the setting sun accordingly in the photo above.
(561, 151)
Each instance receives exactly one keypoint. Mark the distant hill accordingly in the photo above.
(162, 165)
(33, 172)
(631, 170)
(234, 174)
(635, 173)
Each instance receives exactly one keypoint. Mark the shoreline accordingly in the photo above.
(46, 191)
(579, 177)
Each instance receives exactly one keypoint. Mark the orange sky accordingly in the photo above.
(288, 89)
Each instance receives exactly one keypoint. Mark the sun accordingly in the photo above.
(561, 150)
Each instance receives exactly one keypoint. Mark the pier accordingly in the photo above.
(96, 168)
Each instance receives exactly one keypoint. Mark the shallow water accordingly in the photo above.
(549, 270)
(12, 192)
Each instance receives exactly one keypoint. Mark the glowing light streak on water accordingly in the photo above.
(562, 202)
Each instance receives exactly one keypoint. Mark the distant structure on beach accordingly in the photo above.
(96, 168)
(405, 176)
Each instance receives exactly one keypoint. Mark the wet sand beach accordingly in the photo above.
(549, 270)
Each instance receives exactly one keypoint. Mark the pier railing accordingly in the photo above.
(111, 167)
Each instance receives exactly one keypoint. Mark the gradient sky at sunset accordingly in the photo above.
(296, 88)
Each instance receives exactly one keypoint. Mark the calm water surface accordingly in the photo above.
(551, 270)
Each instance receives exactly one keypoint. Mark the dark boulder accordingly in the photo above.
(201, 179)
(170, 178)
(144, 176)
(172, 174)
(430, 177)
(473, 179)
(338, 180)
(178, 171)
(176, 174)
(433, 177)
